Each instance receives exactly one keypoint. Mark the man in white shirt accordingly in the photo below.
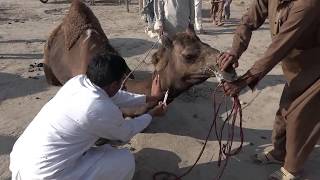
(59, 142)
(173, 16)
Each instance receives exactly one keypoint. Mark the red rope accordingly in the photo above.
(224, 149)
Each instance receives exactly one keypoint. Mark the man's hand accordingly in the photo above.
(234, 88)
(225, 60)
(156, 93)
(159, 110)
(156, 87)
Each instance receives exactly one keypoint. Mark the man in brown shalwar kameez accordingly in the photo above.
(295, 31)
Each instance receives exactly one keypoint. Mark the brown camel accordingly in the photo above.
(181, 62)
(62, 57)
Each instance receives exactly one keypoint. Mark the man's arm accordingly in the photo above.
(301, 17)
(105, 120)
(127, 99)
(252, 20)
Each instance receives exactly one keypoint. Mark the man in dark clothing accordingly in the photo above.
(295, 31)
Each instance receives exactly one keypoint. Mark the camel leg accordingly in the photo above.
(50, 77)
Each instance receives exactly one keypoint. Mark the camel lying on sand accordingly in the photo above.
(181, 62)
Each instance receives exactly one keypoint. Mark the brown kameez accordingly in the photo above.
(295, 31)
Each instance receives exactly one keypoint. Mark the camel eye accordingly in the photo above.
(190, 58)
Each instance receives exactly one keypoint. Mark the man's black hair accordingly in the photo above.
(104, 69)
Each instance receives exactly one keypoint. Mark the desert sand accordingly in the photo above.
(172, 142)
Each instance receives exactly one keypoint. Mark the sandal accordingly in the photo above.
(283, 174)
(265, 157)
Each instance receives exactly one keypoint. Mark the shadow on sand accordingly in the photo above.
(21, 56)
(6, 144)
(23, 41)
(17, 86)
(128, 47)
(240, 167)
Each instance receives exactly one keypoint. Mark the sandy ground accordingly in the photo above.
(172, 142)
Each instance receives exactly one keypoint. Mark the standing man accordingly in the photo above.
(198, 16)
(295, 30)
(173, 16)
(226, 9)
(59, 142)
(148, 11)
(217, 11)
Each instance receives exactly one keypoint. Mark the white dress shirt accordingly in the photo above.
(68, 125)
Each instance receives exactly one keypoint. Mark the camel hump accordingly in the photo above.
(77, 21)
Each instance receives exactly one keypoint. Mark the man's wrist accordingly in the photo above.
(153, 98)
(233, 52)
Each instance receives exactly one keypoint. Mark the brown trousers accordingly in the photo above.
(217, 10)
(297, 127)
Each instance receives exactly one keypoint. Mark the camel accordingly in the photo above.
(181, 62)
(62, 59)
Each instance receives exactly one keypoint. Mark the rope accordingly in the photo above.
(224, 149)
(141, 60)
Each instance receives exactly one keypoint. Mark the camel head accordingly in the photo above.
(185, 61)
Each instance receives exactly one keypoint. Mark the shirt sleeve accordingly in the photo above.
(250, 21)
(300, 18)
(127, 99)
(158, 13)
(105, 120)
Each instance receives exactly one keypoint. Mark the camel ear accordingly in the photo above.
(190, 30)
(155, 58)
(158, 60)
